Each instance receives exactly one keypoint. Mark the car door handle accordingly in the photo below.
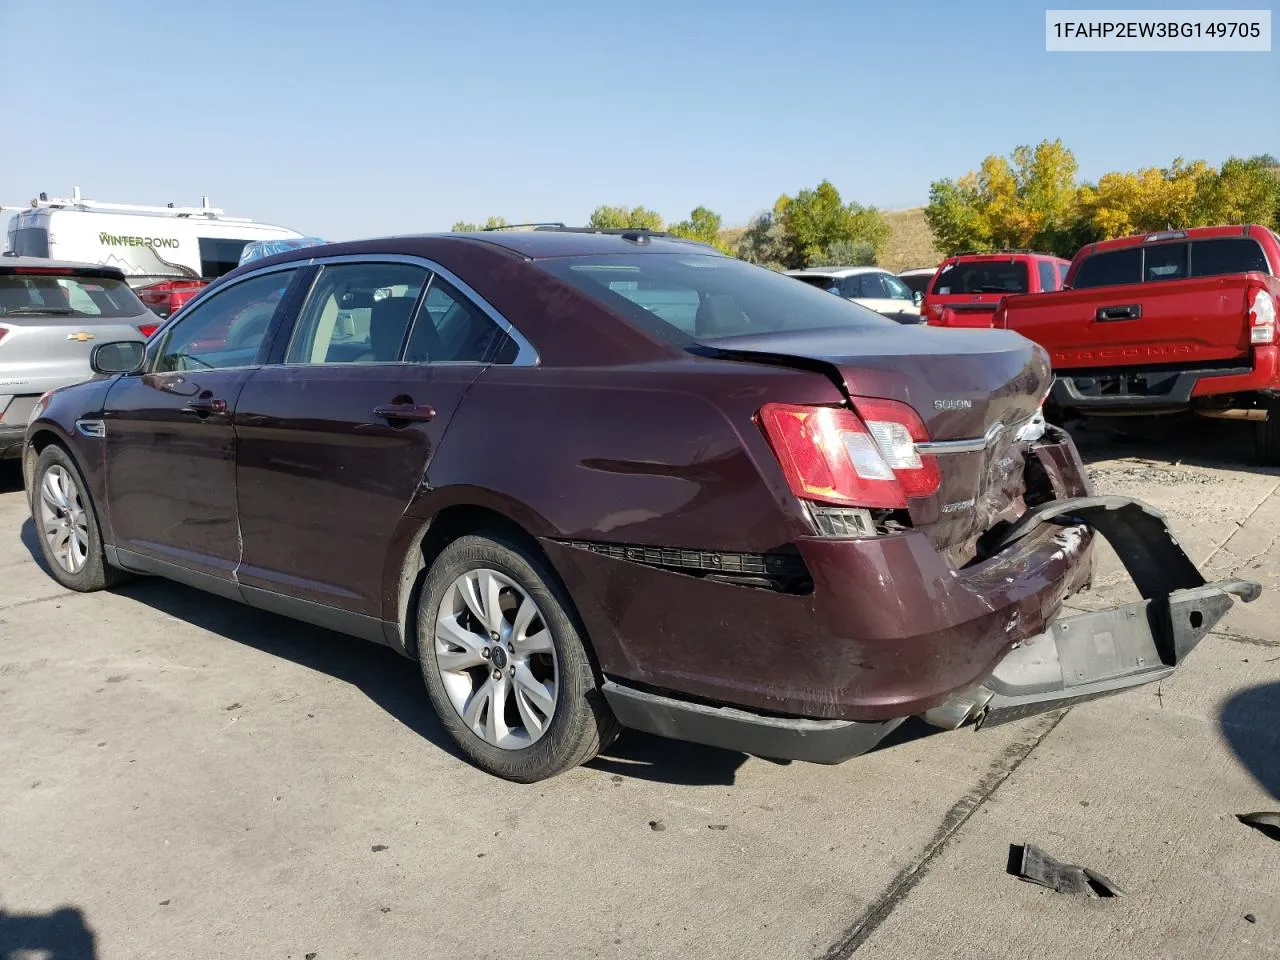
(1130, 311)
(206, 406)
(405, 411)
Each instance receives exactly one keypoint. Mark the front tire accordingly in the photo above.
(505, 664)
(67, 524)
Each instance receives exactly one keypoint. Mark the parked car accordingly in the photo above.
(52, 313)
(917, 279)
(779, 523)
(870, 287)
(1167, 321)
(968, 287)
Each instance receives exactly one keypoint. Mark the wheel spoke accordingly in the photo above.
(495, 727)
(532, 720)
(451, 634)
(50, 492)
(539, 694)
(491, 590)
(475, 706)
(537, 642)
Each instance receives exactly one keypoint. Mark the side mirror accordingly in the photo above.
(123, 356)
(917, 297)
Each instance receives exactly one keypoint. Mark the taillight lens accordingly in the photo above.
(1262, 317)
(147, 329)
(3, 331)
(832, 455)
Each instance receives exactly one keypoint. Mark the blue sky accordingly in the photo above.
(348, 119)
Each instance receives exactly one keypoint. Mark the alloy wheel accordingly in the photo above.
(497, 660)
(63, 519)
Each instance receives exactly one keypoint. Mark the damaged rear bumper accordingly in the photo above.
(1076, 658)
(1091, 655)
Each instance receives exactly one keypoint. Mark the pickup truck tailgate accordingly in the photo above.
(1176, 321)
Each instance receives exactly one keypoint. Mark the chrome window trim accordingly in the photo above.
(526, 355)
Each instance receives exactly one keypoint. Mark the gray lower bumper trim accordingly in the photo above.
(760, 735)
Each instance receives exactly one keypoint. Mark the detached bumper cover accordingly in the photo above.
(1077, 658)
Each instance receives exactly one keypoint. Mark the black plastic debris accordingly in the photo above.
(1267, 822)
(1030, 863)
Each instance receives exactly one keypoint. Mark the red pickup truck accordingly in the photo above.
(967, 287)
(1163, 322)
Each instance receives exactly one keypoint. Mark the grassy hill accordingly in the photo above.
(910, 242)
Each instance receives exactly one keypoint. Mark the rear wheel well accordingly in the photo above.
(444, 528)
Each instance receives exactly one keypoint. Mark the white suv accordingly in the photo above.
(871, 287)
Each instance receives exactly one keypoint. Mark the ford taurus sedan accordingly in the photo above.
(594, 480)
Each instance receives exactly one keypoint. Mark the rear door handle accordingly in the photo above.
(207, 406)
(1130, 311)
(405, 411)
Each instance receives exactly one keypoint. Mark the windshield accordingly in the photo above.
(72, 296)
(982, 276)
(707, 297)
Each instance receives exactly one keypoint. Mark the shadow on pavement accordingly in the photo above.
(10, 476)
(60, 935)
(1250, 723)
(1175, 438)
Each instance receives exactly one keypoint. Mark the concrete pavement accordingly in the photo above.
(187, 777)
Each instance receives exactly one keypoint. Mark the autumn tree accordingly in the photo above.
(762, 242)
(617, 218)
(1025, 201)
(703, 225)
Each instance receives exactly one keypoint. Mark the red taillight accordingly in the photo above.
(3, 331)
(147, 329)
(169, 296)
(831, 455)
(1262, 315)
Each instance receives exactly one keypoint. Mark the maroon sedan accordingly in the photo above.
(593, 480)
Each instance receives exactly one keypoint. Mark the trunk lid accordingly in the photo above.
(973, 388)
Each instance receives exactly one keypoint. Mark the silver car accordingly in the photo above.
(52, 312)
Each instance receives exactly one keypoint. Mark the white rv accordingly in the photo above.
(150, 244)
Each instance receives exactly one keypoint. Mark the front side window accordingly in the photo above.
(227, 329)
(357, 313)
(896, 289)
(1048, 276)
(451, 329)
(734, 298)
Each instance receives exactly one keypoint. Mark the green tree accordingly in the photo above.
(845, 253)
(463, 227)
(703, 225)
(816, 218)
(762, 242)
(618, 218)
(1242, 191)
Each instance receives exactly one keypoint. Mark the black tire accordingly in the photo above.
(1267, 437)
(582, 723)
(95, 573)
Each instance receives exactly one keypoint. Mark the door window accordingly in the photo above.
(227, 329)
(451, 329)
(357, 313)
(857, 286)
(896, 289)
(1048, 276)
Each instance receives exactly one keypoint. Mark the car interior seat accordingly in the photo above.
(718, 315)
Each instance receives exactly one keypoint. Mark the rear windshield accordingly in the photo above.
(1171, 261)
(982, 276)
(70, 296)
(707, 297)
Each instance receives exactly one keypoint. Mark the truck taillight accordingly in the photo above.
(3, 331)
(1262, 317)
(147, 329)
(833, 455)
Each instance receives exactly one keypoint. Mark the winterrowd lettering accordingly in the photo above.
(114, 240)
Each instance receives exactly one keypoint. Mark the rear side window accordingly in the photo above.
(1213, 258)
(657, 293)
(1110, 269)
(1048, 275)
(71, 296)
(219, 256)
(1063, 270)
(449, 328)
(982, 276)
